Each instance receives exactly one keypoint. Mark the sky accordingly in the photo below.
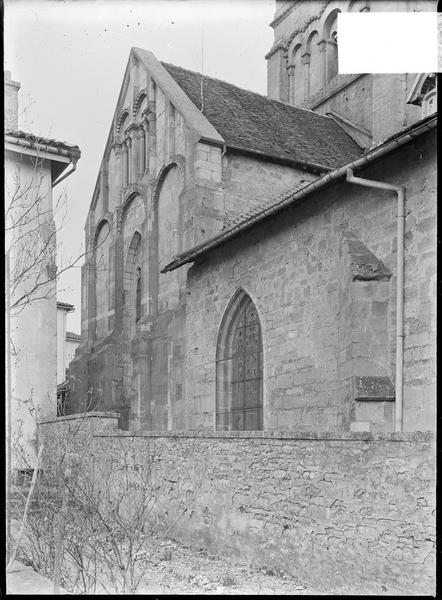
(70, 56)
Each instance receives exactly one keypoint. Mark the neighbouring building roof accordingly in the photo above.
(254, 123)
(42, 141)
(70, 335)
(65, 306)
(388, 145)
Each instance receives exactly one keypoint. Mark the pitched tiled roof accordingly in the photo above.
(65, 306)
(255, 123)
(406, 135)
(36, 139)
(70, 335)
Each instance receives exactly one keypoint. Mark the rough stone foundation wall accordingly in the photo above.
(347, 513)
(344, 513)
(71, 437)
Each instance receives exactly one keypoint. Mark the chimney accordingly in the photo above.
(11, 102)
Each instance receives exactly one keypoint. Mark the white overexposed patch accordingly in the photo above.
(388, 42)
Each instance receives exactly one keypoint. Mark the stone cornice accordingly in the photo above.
(283, 14)
(192, 115)
(279, 45)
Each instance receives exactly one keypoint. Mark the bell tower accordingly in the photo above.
(302, 69)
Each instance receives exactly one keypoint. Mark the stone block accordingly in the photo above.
(360, 426)
(373, 388)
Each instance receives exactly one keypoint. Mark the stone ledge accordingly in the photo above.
(354, 436)
(79, 416)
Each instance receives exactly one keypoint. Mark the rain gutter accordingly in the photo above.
(317, 185)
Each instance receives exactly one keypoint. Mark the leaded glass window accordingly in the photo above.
(239, 368)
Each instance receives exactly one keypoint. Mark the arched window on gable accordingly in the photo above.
(143, 153)
(102, 279)
(140, 107)
(138, 295)
(133, 283)
(239, 368)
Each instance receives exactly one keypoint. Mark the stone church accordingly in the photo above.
(265, 262)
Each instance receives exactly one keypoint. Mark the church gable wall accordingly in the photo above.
(291, 267)
(146, 138)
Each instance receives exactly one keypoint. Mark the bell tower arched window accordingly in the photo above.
(331, 40)
(239, 367)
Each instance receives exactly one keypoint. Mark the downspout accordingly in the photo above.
(400, 191)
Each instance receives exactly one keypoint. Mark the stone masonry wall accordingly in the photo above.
(291, 266)
(343, 513)
(70, 438)
(170, 193)
(250, 183)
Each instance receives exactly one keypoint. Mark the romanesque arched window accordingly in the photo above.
(331, 40)
(102, 266)
(143, 153)
(296, 77)
(314, 73)
(133, 283)
(239, 367)
(169, 226)
(138, 295)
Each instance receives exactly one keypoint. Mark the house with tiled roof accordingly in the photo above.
(34, 165)
(244, 273)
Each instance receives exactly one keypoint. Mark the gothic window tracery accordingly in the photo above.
(239, 368)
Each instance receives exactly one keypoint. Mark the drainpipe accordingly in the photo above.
(400, 191)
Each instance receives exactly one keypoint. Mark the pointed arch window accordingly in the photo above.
(239, 368)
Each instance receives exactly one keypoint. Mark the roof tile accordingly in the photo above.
(254, 123)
